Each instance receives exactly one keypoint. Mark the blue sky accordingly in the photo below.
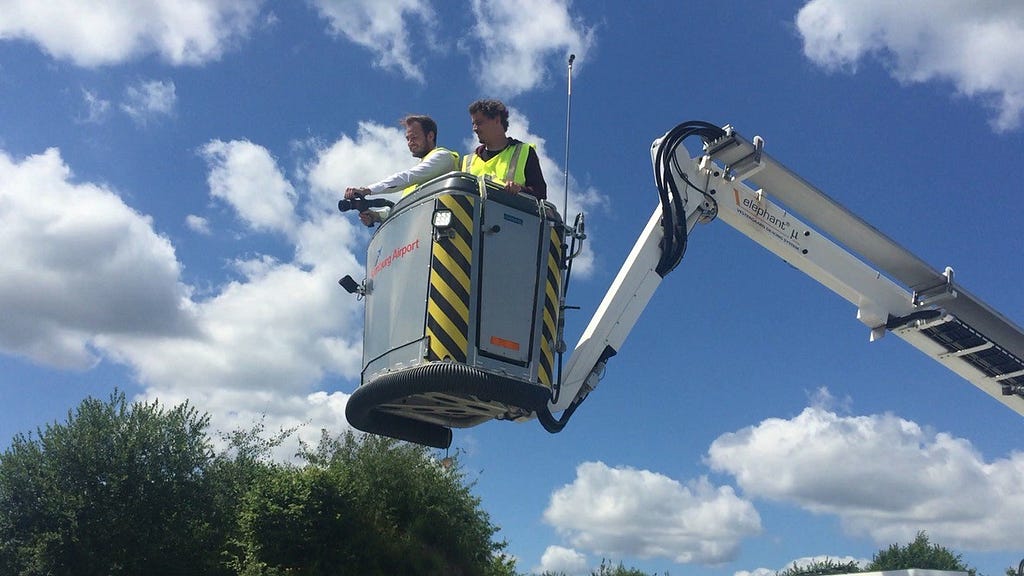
(168, 179)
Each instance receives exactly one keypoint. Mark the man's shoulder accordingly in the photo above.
(515, 141)
(440, 152)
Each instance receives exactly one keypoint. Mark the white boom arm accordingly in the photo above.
(892, 289)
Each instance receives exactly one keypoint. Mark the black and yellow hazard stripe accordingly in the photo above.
(552, 287)
(448, 298)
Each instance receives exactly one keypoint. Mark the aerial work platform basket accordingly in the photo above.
(462, 301)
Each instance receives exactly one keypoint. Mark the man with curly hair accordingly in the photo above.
(509, 162)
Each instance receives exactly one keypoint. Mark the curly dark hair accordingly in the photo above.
(491, 109)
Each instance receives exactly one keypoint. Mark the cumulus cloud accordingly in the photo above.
(273, 330)
(976, 46)
(246, 176)
(882, 476)
(375, 152)
(114, 31)
(560, 560)
(150, 99)
(86, 277)
(270, 338)
(628, 512)
(515, 56)
(79, 263)
(383, 28)
(198, 224)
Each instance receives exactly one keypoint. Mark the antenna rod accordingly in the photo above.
(567, 260)
(568, 117)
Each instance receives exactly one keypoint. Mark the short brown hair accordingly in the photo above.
(491, 109)
(425, 122)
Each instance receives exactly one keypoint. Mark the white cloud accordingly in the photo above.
(246, 176)
(628, 512)
(198, 224)
(560, 560)
(270, 338)
(883, 476)
(383, 28)
(374, 153)
(756, 572)
(114, 31)
(86, 278)
(78, 263)
(306, 414)
(515, 54)
(97, 109)
(978, 46)
(149, 99)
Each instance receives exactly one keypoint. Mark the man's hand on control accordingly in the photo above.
(351, 193)
(369, 217)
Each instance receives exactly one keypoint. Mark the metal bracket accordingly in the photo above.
(750, 164)
(942, 290)
(353, 287)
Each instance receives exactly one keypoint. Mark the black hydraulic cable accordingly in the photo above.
(555, 425)
(674, 240)
(673, 213)
(673, 221)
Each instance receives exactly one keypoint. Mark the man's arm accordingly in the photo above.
(535, 184)
(431, 167)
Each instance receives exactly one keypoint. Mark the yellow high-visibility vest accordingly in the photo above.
(509, 165)
(438, 150)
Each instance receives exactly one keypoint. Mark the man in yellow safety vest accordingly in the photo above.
(506, 160)
(421, 137)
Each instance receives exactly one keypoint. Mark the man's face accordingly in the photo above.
(417, 141)
(487, 130)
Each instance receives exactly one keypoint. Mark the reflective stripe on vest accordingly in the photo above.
(455, 166)
(509, 165)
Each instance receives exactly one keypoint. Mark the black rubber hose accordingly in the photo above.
(673, 213)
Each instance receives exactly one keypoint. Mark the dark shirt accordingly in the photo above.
(535, 184)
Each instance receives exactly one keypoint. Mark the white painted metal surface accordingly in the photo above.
(892, 289)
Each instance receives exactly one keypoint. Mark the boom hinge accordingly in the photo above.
(937, 292)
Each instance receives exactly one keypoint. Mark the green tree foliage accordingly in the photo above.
(136, 488)
(245, 463)
(367, 505)
(1018, 571)
(608, 569)
(125, 489)
(920, 553)
(116, 489)
(821, 568)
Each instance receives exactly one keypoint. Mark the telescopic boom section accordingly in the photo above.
(893, 290)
